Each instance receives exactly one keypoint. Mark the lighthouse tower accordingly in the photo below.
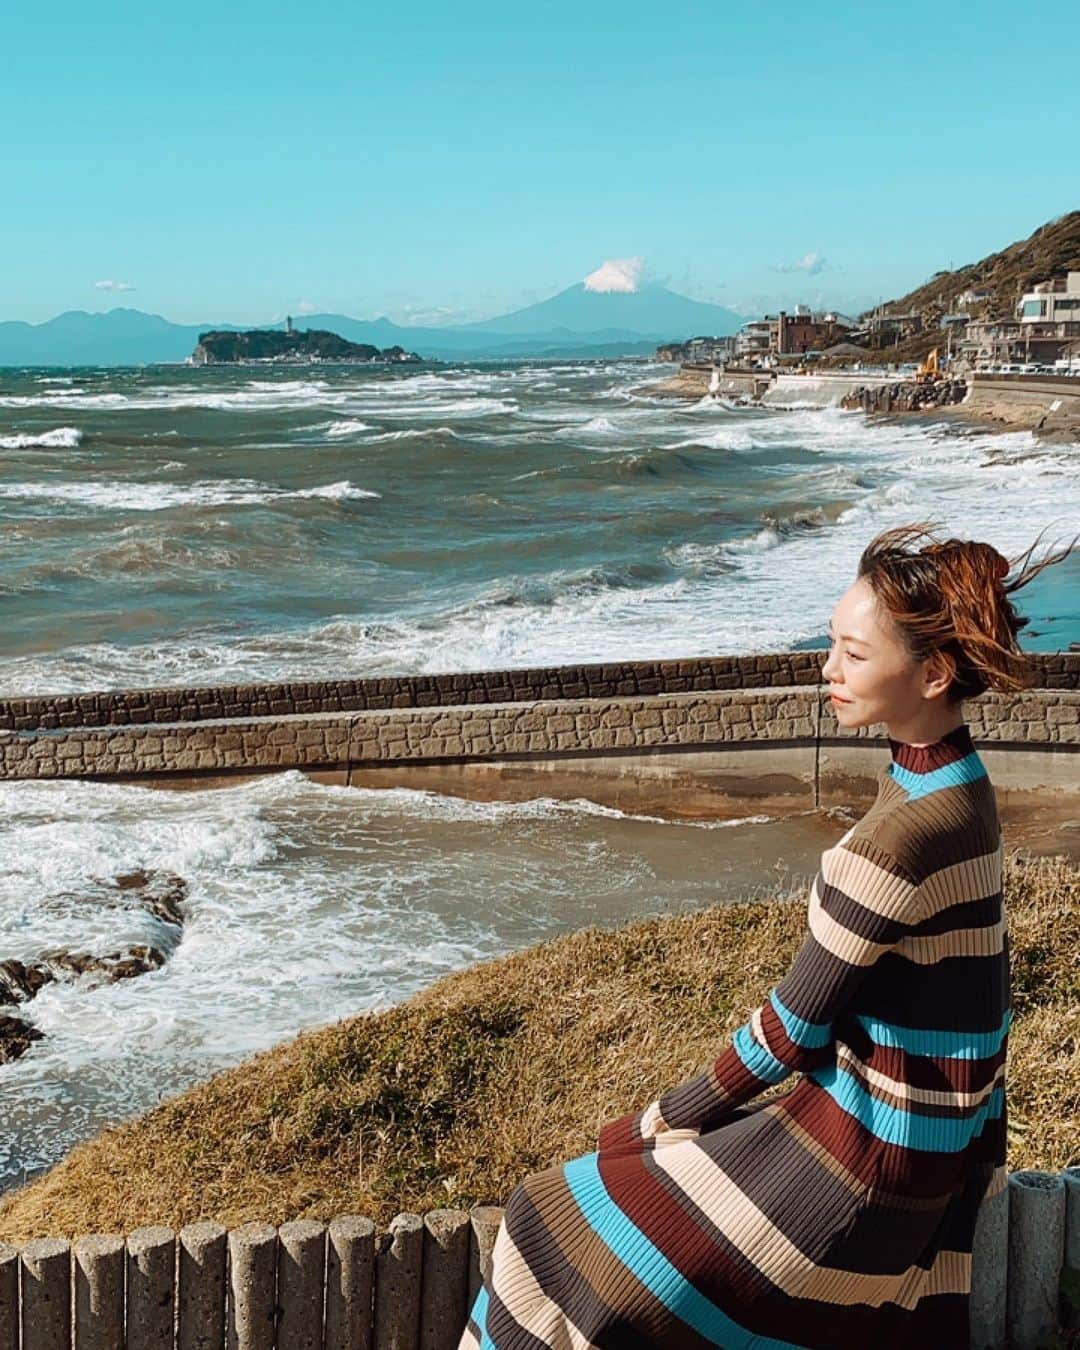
(288, 323)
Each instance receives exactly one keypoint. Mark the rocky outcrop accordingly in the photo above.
(160, 894)
(316, 344)
(905, 396)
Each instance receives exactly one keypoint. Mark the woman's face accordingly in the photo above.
(870, 673)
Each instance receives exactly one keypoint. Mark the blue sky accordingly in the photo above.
(232, 161)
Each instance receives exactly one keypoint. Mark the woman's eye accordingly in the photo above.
(853, 656)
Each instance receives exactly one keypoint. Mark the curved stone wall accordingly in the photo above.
(702, 731)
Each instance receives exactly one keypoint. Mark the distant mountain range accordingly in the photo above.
(577, 322)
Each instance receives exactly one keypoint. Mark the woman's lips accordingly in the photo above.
(836, 699)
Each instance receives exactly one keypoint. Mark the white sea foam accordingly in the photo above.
(60, 438)
(346, 428)
(414, 434)
(258, 395)
(377, 891)
(117, 495)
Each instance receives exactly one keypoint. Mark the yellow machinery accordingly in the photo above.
(929, 371)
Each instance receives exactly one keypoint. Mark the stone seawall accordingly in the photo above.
(700, 735)
(602, 679)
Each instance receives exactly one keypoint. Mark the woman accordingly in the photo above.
(841, 1212)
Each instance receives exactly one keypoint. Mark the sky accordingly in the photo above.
(446, 163)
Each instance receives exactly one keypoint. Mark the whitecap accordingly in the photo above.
(345, 428)
(60, 438)
(120, 496)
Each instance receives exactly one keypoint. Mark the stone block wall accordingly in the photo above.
(135, 707)
(743, 720)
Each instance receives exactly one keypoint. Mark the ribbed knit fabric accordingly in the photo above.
(840, 1214)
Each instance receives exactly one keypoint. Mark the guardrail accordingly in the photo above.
(307, 1285)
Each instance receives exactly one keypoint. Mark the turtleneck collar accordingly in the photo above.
(953, 746)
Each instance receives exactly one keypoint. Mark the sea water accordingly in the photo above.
(172, 525)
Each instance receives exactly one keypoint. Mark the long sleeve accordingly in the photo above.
(862, 903)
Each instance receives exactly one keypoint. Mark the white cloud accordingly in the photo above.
(433, 316)
(810, 263)
(305, 307)
(616, 274)
(114, 285)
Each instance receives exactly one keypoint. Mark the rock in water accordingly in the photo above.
(16, 1037)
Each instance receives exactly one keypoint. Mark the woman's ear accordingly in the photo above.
(938, 673)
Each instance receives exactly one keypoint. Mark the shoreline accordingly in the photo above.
(1053, 419)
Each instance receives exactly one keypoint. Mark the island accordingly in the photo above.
(288, 347)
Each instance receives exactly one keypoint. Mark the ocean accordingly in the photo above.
(174, 525)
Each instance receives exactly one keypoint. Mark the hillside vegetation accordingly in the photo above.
(1054, 248)
(512, 1065)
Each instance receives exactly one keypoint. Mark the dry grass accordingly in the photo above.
(505, 1068)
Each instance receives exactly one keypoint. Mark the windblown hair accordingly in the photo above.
(952, 595)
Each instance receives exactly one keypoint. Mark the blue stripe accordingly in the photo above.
(927, 1134)
(939, 1044)
(812, 1035)
(479, 1316)
(961, 771)
(762, 1063)
(629, 1245)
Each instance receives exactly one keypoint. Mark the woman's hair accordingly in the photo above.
(952, 595)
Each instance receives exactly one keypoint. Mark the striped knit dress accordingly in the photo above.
(839, 1214)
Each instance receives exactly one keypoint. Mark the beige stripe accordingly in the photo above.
(873, 886)
(841, 941)
(999, 1179)
(529, 1305)
(988, 940)
(972, 879)
(783, 1263)
(902, 1094)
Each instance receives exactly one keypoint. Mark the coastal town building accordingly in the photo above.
(896, 327)
(1045, 332)
(753, 342)
(798, 333)
(1054, 301)
(807, 330)
(699, 350)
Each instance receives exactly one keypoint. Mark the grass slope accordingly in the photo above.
(512, 1065)
(1052, 249)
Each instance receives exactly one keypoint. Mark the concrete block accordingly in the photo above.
(989, 1272)
(1036, 1253)
(445, 1284)
(398, 1273)
(1070, 1275)
(350, 1265)
(46, 1294)
(484, 1221)
(252, 1304)
(301, 1254)
(151, 1276)
(9, 1297)
(201, 1298)
(99, 1292)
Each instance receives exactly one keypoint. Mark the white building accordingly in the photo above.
(1056, 301)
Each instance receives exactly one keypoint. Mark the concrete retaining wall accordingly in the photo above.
(698, 750)
(342, 1285)
(822, 390)
(1035, 401)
